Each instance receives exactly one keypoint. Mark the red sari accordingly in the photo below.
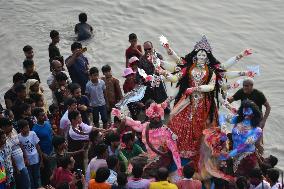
(190, 115)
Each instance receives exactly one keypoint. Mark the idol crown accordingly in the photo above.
(203, 44)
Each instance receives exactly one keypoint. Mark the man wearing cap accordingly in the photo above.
(133, 63)
(146, 62)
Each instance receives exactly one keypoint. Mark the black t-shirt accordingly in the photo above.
(53, 51)
(256, 96)
(11, 95)
(84, 100)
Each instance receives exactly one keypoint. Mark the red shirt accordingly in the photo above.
(61, 175)
(130, 52)
(189, 184)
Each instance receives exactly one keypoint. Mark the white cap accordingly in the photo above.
(133, 59)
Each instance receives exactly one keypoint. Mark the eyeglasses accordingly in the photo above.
(148, 49)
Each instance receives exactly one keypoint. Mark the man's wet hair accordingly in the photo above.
(83, 17)
(53, 34)
(27, 48)
(132, 36)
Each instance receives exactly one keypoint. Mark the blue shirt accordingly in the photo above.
(96, 93)
(44, 133)
(79, 71)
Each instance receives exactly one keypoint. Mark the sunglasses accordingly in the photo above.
(148, 49)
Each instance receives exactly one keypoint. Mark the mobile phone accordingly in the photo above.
(84, 49)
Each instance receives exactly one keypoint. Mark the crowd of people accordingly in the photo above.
(99, 134)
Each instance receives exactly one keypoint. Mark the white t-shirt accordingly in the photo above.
(17, 152)
(29, 144)
(276, 186)
(65, 123)
(265, 184)
(85, 128)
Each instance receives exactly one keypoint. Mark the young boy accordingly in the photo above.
(43, 130)
(82, 29)
(134, 49)
(29, 52)
(11, 96)
(83, 102)
(96, 91)
(53, 50)
(29, 68)
(131, 149)
(128, 85)
(32, 153)
(188, 182)
(113, 91)
(60, 151)
(137, 182)
(97, 162)
(22, 176)
(63, 173)
(100, 179)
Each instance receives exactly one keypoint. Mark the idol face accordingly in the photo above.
(201, 56)
(247, 111)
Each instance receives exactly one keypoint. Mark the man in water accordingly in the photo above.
(83, 29)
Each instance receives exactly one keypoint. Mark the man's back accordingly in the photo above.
(83, 30)
(189, 184)
(162, 185)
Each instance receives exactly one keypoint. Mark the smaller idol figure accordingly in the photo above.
(245, 134)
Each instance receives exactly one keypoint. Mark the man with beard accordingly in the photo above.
(160, 140)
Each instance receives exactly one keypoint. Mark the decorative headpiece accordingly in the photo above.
(157, 110)
(214, 139)
(203, 44)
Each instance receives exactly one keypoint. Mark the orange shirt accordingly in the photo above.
(95, 185)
